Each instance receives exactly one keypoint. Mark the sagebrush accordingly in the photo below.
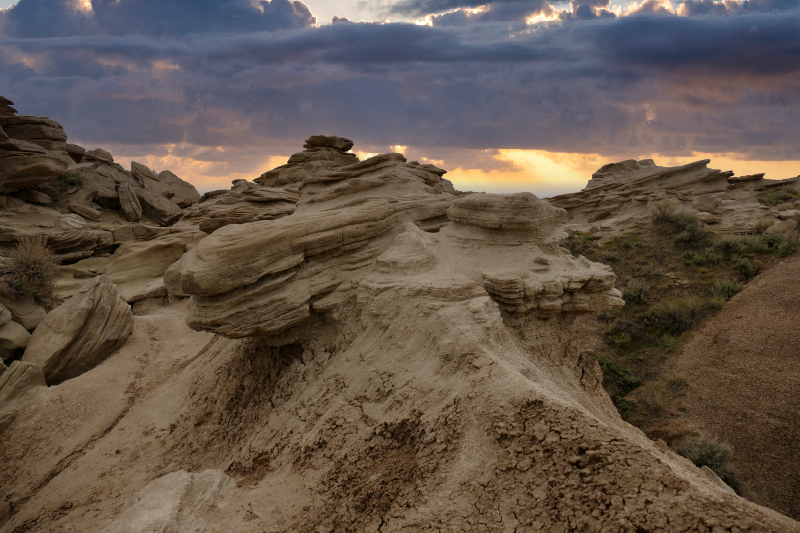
(33, 271)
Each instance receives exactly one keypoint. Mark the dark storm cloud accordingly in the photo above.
(426, 7)
(692, 8)
(52, 18)
(636, 84)
(496, 12)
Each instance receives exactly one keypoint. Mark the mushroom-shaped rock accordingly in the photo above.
(324, 141)
(18, 378)
(521, 213)
(82, 332)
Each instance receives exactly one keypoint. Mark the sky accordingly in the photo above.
(507, 95)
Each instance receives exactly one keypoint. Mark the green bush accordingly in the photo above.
(727, 246)
(706, 259)
(715, 456)
(667, 342)
(617, 378)
(33, 271)
(69, 179)
(636, 292)
(778, 195)
(726, 289)
(745, 268)
(690, 229)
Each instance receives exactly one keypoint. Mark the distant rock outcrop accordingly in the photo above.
(621, 195)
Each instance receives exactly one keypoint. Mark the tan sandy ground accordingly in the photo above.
(743, 373)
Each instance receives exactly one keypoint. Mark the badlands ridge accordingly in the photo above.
(338, 345)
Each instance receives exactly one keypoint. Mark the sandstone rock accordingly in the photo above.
(85, 211)
(74, 245)
(182, 192)
(13, 338)
(789, 214)
(136, 268)
(72, 222)
(5, 315)
(40, 131)
(322, 141)
(245, 202)
(175, 502)
(129, 202)
(301, 165)
(103, 188)
(81, 333)
(5, 107)
(75, 152)
(35, 197)
(142, 173)
(158, 208)
(623, 195)
(785, 228)
(139, 232)
(24, 164)
(25, 311)
(98, 154)
(18, 379)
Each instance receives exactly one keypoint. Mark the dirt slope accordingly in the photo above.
(743, 372)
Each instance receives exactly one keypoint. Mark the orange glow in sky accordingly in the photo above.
(543, 173)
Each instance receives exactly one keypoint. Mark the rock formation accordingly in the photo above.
(81, 333)
(341, 345)
(621, 195)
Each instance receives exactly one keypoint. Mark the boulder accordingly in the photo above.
(13, 338)
(75, 152)
(158, 208)
(789, 214)
(84, 211)
(19, 378)
(131, 208)
(139, 232)
(25, 311)
(323, 141)
(98, 154)
(70, 246)
(181, 192)
(40, 131)
(175, 502)
(81, 333)
(142, 173)
(784, 228)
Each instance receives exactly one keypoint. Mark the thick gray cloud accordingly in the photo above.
(56, 18)
(497, 12)
(638, 84)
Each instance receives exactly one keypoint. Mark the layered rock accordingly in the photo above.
(244, 202)
(129, 202)
(40, 131)
(158, 208)
(16, 380)
(80, 333)
(24, 164)
(321, 153)
(621, 195)
(13, 339)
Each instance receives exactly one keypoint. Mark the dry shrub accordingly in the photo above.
(663, 210)
(714, 455)
(34, 270)
(763, 225)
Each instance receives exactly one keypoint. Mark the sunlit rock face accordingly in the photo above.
(621, 196)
